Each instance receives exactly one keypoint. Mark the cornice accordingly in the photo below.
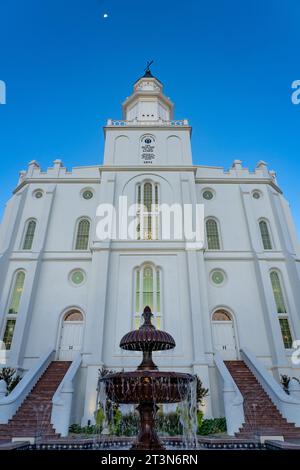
(146, 169)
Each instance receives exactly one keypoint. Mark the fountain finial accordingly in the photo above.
(147, 314)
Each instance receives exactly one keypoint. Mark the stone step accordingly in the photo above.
(261, 415)
(33, 416)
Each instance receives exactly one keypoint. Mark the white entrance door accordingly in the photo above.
(71, 340)
(224, 339)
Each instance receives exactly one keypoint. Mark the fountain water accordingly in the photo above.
(147, 386)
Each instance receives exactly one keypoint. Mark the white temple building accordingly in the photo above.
(67, 295)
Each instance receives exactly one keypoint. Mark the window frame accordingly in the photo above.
(13, 315)
(82, 219)
(282, 315)
(213, 219)
(269, 233)
(153, 215)
(157, 307)
(25, 234)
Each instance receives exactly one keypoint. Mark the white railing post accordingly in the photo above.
(294, 389)
(159, 122)
(63, 399)
(3, 389)
(10, 403)
(233, 399)
(288, 405)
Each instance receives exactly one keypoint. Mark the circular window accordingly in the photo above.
(218, 277)
(38, 194)
(208, 194)
(148, 141)
(77, 277)
(256, 194)
(87, 194)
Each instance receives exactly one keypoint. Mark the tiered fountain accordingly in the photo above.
(146, 386)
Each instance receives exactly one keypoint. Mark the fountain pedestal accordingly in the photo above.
(147, 438)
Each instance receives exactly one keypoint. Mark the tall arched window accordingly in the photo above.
(148, 211)
(281, 309)
(13, 307)
(148, 293)
(212, 235)
(16, 293)
(29, 235)
(265, 235)
(83, 235)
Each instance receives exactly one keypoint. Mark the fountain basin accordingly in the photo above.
(147, 386)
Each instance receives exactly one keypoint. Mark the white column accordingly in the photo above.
(97, 307)
(33, 270)
(206, 317)
(291, 285)
(263, 285)
(9, 230)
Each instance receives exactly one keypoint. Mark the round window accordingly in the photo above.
(38, 194)
(148, 141)
(87, 194)
(208, 194)
(77, 277)
(218, 277)
(256, 195)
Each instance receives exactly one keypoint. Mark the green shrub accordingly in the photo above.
(100, 416)
(166, 425)
(199, 420)
(169, 424)
(116, 425)
(129, 425)
(92, 429)
(212, 426)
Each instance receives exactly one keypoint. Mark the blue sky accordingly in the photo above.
(227, 64)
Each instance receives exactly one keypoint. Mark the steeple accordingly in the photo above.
(147, 102)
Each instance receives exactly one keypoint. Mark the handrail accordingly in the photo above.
(233, 399)
(10, 404)
(136, 123)
(62, 399)
(288, 405)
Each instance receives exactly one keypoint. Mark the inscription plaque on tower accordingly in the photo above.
(148, 149)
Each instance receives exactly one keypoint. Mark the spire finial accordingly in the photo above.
(147, 69)
(149, 63)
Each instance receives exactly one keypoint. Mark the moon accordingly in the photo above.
(105, 15)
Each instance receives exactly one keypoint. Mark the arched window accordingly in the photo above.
(74, 315)
(281, 309)
(16, 293)
(83, 235)
(221, 315)
(212, 235)
(265, 235)
(29, 235)
(148, 293)
(277, 291)
(13, 307)
(148, 211)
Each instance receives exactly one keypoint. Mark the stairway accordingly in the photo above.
(33, 417)
(261, 415)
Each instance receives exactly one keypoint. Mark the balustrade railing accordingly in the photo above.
(159, 122)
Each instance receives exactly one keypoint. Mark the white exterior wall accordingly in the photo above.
(189, 298)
